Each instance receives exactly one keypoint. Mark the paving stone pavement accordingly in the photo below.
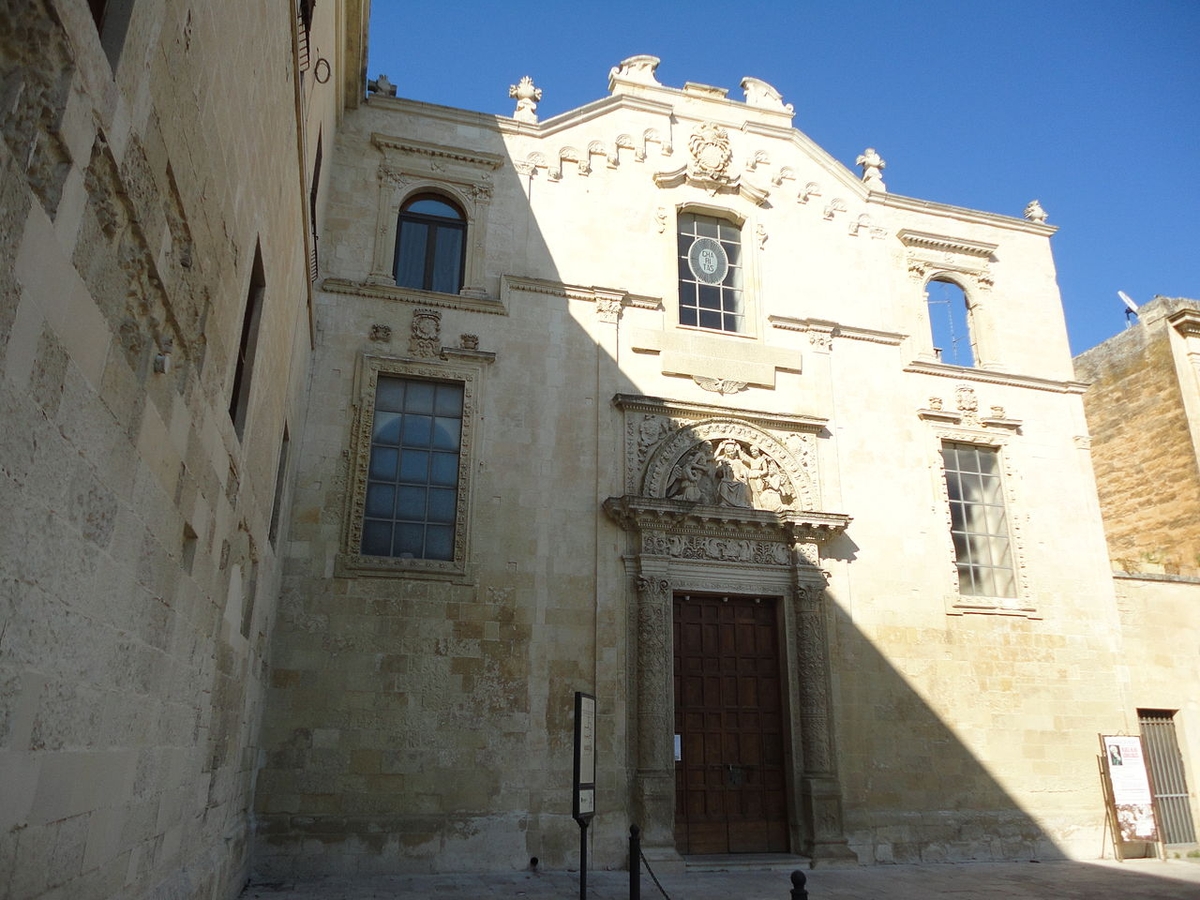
(1061, 880)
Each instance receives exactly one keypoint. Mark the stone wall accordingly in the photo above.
(138, 563)
(1144, 442)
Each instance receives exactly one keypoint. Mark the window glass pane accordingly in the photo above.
(706, 227)
(420, 397)
(386, 428)
(446, 433)
(710, 297)
(383, 463)
(441, 505)
(410, 504)
(449, 400)
(996, 521)
(414, 466)
(377, 538)
(418, 431)
(991, 490)
(380, 500)
(444, 470)
(410, 254)
(953, 489)
(439, 542)
(389, 393)
(1004, 583)
(729, 232)
(447, 260)
(710, 319)
(733, 323)
(409, 541)
(431, 207)
(971, 488)
(687, 316)
(960, 546)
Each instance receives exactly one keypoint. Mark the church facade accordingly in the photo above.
(348, 437)
(644, 401)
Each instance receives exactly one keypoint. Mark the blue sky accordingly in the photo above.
(1091, 107)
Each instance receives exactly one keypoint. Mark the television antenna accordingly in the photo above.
(1131, 308)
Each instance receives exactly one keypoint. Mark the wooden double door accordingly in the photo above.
(730, 784)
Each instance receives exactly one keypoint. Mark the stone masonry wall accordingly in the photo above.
(136, 563)
(1145, 460)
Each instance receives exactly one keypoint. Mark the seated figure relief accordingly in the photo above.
(729, 474)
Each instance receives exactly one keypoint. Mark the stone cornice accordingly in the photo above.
(911, 204)
(1007, 379)
(944, 244)
(410, 295)
(836, 329)
(440, 151)
(768, 420)
(1186, 322)
(576, 292)
(650, 514)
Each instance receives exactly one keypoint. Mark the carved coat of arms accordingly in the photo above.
(711, 155)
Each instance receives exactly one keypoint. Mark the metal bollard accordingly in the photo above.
(798, 881)
(635, 863)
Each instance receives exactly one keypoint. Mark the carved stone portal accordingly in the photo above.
(726, 504)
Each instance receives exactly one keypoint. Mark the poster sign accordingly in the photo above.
(584, 802)
(1126, 768)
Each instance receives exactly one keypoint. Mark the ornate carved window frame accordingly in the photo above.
(351, 562)
(962, 262)
(965, 426)
(411, 167)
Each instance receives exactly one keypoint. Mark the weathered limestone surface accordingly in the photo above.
(1143, 408)
(138, 573)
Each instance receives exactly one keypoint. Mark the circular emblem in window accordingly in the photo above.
(708, 260)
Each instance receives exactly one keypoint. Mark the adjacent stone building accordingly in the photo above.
(346, 439)
(156, 169)
(1143, 408)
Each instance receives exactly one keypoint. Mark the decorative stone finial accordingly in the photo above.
(636, 68)
(527, 97)
(872, 165)
(382, 86)
(762, 95)
(1035, 213)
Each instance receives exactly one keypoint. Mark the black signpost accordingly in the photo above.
(583, 801)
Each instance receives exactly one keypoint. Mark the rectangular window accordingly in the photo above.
(978, 522)
(239, 398)
(710, 274)
(412, 484)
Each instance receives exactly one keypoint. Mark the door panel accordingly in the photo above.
(730, 781)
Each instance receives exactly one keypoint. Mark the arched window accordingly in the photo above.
(950, 323)
(431, 240)
(710, 273)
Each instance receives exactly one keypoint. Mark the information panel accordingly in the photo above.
(1132, 801)
(584, 802)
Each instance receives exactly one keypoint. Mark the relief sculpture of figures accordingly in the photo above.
(732, 474)
(729, 475)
